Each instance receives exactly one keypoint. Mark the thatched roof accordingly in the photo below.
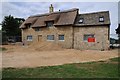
(60, 18)
(68, 17)
(93, 18)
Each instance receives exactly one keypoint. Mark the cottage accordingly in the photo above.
(69, 29)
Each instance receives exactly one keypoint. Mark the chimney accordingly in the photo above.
(51, 8)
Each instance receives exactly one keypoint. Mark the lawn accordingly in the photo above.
(101, 69)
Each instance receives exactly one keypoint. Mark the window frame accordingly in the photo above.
(28, 39)
(50, 39)
(86, 39)
(101, 19)
(37, 30)
(28, 25)
(61, 39)
(81, 20)
(48, 23)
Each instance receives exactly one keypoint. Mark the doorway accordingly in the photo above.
(39, 38)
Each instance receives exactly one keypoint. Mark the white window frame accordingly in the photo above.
(81, 20)
(29, 39)
(59, 37)
(101, 19)
(50, 39)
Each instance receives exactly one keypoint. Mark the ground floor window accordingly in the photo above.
(50, 37)
(61, 37)
(29, 38)
(88, 36)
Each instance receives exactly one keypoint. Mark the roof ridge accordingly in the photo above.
(46, 14)
(94, 12)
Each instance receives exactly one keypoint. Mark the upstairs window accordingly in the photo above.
(81, 20)
(50, 37)
(61, 37)
(101, 19)
(28, 25)
(37, 29)
(49, 24)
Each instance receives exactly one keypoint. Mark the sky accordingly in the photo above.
(26, 9)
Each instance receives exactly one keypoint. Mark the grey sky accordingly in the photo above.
(25, 9)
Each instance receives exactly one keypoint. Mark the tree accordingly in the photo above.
(118, 29)
(10, 26)
(118, 32)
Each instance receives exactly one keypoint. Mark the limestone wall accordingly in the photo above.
(61, 30)
(100, 34)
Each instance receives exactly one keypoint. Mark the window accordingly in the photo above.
(86, 36)
(101, 19)
(37, 29)
(28, 25)
(50, 37)
(49, 24)
(29, 38)
(61, 37)
(81, 20)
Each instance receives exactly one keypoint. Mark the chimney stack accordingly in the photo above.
(51, 8)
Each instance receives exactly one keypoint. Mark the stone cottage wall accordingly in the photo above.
(101, 37)
(61, 30)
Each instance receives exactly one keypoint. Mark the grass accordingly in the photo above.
(2, 49)
(77, 70)
(115, 59)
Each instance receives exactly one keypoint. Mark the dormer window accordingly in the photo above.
(81, 20)
(101, 19)
(49, 24)
(28, 25)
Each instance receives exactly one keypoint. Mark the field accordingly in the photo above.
(31, 62)
(101, 69)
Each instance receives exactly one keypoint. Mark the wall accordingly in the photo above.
(63, 30)
(100, 32)
(101, 37)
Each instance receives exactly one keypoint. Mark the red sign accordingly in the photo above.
(91, 39)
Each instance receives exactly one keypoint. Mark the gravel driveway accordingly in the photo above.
(19, 56)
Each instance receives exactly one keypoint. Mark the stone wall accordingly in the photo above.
(61, 30)
(100, 34)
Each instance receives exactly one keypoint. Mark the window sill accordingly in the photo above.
(29, 40)
(61, 40)
(50, 40)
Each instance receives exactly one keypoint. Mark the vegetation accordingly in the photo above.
(101, 69)
(118, 31)
(117, 59)
(2, 49)
(10, 27)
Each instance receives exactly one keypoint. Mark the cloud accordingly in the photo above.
(119, 12)
(25, 9)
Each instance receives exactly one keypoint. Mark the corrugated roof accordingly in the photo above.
(93, 18)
